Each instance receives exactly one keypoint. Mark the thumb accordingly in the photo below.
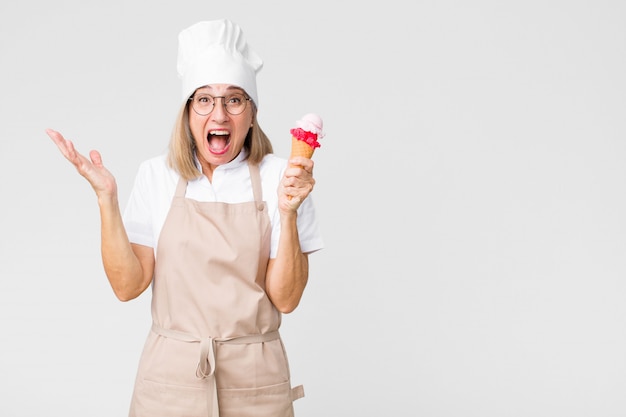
(96, 158)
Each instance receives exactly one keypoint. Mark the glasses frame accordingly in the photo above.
(246, 99)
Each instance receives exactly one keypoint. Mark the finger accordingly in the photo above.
(96, 158)
(308, 167)
(294, 202)
(302, 162)
(58, 139)
(71, 153)
(300, 173)
(54, 135)
(65, 146)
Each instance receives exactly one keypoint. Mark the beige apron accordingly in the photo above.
(214, 348)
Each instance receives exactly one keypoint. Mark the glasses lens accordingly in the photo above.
(203, 104)
(235, 104)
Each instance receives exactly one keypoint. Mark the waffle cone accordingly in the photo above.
(300, 148)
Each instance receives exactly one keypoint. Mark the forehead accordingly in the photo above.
(219, 89)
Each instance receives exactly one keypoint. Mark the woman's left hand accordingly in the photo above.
(296, 185)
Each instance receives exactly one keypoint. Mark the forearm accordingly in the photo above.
(121, 265)
(287, 274)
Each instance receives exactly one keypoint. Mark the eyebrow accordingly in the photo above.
(229, 88)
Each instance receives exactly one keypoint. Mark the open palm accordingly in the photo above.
(92, 169)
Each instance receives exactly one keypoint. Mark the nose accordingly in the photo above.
(219, 113)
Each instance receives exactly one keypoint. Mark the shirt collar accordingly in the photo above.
(235, 163)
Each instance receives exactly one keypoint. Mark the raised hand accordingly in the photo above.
(101, 180)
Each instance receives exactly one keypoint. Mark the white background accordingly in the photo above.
(470, 190)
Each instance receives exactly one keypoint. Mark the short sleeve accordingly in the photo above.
(308, 229)
(138, 214)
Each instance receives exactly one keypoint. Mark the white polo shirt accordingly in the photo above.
(155, 184)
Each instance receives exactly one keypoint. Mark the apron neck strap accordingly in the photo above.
(255, 178)
(181, 187)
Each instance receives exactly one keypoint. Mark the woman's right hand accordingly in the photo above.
(128, 267)
(101, 180)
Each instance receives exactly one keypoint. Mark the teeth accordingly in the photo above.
(218, 133)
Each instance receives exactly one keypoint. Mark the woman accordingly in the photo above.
(221, 228)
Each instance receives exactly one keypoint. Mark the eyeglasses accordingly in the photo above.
(234, 104)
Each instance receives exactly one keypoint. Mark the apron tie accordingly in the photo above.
(206, 363)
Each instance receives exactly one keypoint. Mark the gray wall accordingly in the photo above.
(470, 189)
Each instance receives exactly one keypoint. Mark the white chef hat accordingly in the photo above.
(216, 52)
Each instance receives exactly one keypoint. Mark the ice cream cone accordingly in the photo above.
(300, 148)
(304, 137)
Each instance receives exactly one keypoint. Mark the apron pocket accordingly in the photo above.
(154, 399)
(271, 401)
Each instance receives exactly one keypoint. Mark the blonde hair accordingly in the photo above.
(182, 147)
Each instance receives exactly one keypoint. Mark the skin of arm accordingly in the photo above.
(128, 267)
(287, 274)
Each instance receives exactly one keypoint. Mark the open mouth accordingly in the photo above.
(219, 141)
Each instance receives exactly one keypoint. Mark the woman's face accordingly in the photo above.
(219, 135)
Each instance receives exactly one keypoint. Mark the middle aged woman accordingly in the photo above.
(222, 229)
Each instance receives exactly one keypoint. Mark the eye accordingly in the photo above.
(236, 99)
(205, 99)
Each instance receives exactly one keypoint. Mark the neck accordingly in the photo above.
(208, 169)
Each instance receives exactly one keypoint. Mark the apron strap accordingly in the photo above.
(181, 187)
(257, 190)
(297, 392)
